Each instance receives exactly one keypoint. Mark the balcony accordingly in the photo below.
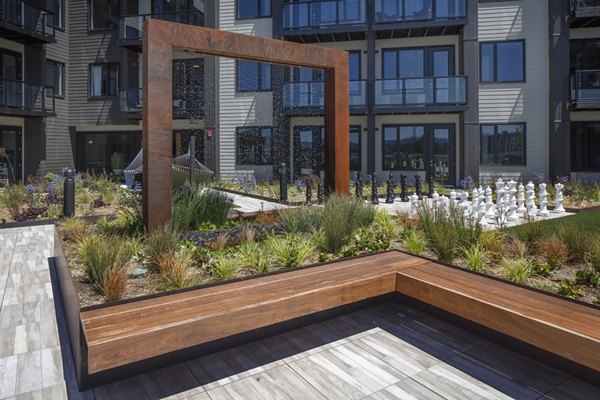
(407, 18)
(26, 99)
(421, 95)
(585, 90)
(130, 104)
(130, 26)
(324, 21)
(585, 13)
(26, 23)
(308, 98)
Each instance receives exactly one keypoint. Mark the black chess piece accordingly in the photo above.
(390, 190)
(308, 192)
(320, 193)
(418, 187)
(403, 188)
(374, 190)
(359, 186)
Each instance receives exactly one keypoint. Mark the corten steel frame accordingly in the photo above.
(161, 37)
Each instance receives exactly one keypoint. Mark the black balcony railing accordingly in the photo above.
(585, 89)
(130, 26)
(583, 6)
(131, 103)
(24, 98)
(417, 92)
(28, 18)
(390, 11)
(312, 94)
(320, 14)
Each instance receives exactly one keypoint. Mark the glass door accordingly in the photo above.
(11, 165)
(442, 154)
(11, 89)
(308, 150)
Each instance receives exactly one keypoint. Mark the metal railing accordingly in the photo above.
(28, 17)
(429, 91)
(312, 94)
(131, 102)
(585, 87)
(25, 97)
(581, 5)
(130, 26)
(319, 14)
(389, 11)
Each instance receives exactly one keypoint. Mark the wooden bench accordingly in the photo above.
(117, 336)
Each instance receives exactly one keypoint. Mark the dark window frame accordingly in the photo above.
(358, 129)
(257, 131)
(259, 78)
(495, 141)
(58, 94)
(495, 61)
(427, 59)
(81, 139)
(61, 15)
(103, 96)
(111, 26)
(397, 127)
(258, 10)
(576, 151)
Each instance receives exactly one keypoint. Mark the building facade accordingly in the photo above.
(443, 89)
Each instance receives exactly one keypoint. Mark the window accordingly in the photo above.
(254, 146)
(55, 74)
(103, 14)
(585, 146)
(95, 149)
(104, 80)
(253, 9)
(355, 148)
(503, 61)
(354, 65)
(58, 18)
(503, 144)
(252, 76)
(404, 147)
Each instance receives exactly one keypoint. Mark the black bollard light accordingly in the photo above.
(320, 193)
(403, 188)
(283, 189)
(374, 190)
(308, 192)
(418, 187)
(69, 195)
(390, 190)
(359, 186)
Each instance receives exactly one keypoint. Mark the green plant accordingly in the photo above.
(414, 242)
(130, 219)
(544, 286)
(515, 247)
(384, 223)
(224, 267)
(517, 270)
(255, 257)
(220, 243)
(73, 229)
(531, 231)
(207, 226)
(301, 220)
(540, 268)
(553, 250)
(587, 277)
(342, 216)
(106, 260)
(494, 243)
(475, 256)
(290, 251)
(5, 156)
(577, 241)
(176, 268)
(13, 197)
(371, 239)
(569, 289)
(194, 205)
(162, 241)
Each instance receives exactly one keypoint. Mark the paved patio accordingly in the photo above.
(389, 351)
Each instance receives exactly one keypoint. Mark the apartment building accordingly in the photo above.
(439, 88)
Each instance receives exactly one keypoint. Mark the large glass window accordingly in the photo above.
(503, 61)
(55, 74)
(94, 150)
(252, 76)
(253, 8)
(404, 147)
(503, 144)
(103, 14)
(585, 146)
(254, 145)
(58, 18)
(104, 80)
(355, 148)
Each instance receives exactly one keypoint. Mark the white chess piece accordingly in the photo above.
(435, 200)
(414, 199)
(543, 201)
(558, 201)
(521, 200)
(489, 203)
(453, 196)
(530, 202)
(464, 203)
(512, 201)
(482, 206)
(474, 204)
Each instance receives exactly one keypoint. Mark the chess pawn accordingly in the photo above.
(453, 197)
(543, 201)
(414, 199)
(512, 203)
(436, 199)
(521, 200)
(489, 203)
(558, 201)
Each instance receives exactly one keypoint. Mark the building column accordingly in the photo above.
(469, 137)
(560, 116)
(371, 126)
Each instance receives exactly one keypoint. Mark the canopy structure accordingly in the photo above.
(180, 165)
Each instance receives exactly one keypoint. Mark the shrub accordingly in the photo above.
(255, 257)
(577, 241)
(517, 270)
(384, 223)
(290, 251)
(193, 206)
(372, 239)
(13, 197)
(176, 268)
(73, 229)
(594, 255)
(475, 257)
(161, 242)
(414, 242)
(301, 220)
(130, 219)
(569, 289)
(247, 234)
(530, 232)
(493, 242)
(224, 267)
(553, 250)
(220, 243)
(515, 247)
(406, 220)
(342, 216)
(106, 261)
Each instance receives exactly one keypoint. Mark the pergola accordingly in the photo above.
(161, 38)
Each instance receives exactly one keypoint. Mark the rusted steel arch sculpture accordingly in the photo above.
(161, 37)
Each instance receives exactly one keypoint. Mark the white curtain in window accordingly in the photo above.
(96, 80)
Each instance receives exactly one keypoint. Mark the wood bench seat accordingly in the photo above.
(122, 334)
